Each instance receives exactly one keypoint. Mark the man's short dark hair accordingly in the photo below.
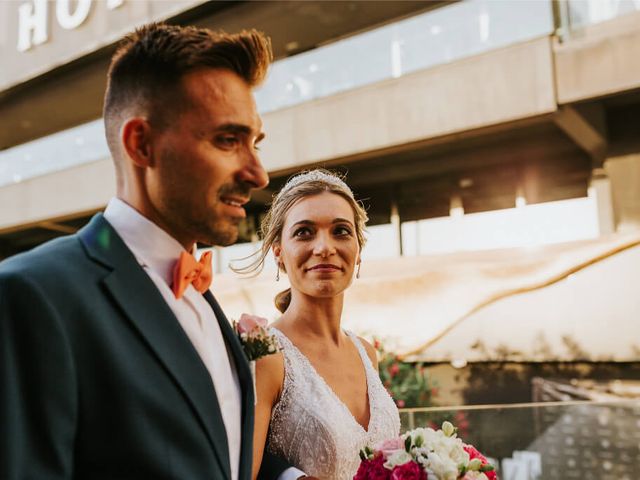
(149, 63)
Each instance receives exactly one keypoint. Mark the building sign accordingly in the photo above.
(37, 36)
(33, 18)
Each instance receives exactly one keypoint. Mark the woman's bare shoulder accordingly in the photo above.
(271, 366)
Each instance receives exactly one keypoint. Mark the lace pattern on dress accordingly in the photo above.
(313, 429)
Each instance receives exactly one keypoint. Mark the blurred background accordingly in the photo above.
(496, 146)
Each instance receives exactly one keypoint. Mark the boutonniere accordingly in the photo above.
(256, 342)
(254, 337)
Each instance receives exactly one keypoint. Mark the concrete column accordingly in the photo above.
(397, 226)
(624, 174)
(600, 190)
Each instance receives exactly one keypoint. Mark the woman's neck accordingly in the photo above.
(317, 318)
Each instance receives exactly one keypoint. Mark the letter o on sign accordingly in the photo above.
(70, 20)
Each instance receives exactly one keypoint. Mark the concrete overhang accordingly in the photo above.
(598, 60)
(65, 194)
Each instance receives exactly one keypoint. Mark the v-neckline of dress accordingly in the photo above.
(332, 393)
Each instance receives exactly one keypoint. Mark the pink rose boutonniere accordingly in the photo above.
(256, 342)
(254, 337)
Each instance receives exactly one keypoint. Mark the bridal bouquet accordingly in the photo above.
(254, 337)
(424, 454)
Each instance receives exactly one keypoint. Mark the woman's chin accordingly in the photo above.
(326, 289)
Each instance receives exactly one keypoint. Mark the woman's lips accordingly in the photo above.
(325, 267)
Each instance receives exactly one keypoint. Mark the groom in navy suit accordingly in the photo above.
(115, 359)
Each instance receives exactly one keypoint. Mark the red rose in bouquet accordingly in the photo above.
(408, 471)
(473, 454)
(372, 470)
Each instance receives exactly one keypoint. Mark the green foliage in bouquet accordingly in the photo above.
(408, 383)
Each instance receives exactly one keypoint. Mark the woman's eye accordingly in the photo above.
(302, 232)
(342, 230)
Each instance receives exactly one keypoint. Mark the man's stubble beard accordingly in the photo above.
(221, 235)
(214, 230)
(207, 227)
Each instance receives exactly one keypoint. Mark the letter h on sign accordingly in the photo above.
(32, 19)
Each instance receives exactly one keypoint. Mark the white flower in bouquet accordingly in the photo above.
(473, 475)
(399, 457)
(425, 454)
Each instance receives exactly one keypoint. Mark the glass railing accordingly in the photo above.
(449, 33)
(550, 441)
(75, 146)
(588, 12)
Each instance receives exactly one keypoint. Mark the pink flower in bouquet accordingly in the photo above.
(387, 447)
(248, 323)
(372, 470)
(408, 471)
(474, 453)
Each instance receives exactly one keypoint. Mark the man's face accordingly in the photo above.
(205, 160)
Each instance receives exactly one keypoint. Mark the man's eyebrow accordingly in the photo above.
(239, 128)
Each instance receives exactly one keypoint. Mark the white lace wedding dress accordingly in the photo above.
(314, 430)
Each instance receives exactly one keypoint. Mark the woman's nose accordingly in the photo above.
(324, 245)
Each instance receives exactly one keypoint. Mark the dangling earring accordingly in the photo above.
(358, 271)
(278, 272)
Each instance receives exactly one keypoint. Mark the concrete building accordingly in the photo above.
(439, 111)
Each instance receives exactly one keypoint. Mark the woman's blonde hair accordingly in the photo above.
(305, 184)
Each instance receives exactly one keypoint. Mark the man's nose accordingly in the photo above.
(253, 172)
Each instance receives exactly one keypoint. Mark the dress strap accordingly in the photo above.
(362, 351)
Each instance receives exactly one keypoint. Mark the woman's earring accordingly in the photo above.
(278, 272)
(358, 271)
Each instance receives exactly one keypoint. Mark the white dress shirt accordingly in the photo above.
(157, 252)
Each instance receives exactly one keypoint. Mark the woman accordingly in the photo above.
(319, 400)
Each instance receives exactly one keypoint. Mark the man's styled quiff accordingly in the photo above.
(149, 63)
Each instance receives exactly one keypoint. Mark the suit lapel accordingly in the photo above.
(142, 303)
(246, 383)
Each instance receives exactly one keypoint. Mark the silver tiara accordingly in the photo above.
(315, 176)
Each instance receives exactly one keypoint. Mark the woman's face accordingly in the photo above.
(319, 247)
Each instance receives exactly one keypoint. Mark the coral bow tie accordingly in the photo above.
(190, 271)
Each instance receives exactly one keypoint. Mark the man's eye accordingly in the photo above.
(227, 140)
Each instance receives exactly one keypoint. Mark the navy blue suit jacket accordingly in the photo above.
(97, 378)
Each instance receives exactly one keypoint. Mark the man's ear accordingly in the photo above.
(136, 140)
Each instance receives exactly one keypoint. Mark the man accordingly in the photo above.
(113, 364)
